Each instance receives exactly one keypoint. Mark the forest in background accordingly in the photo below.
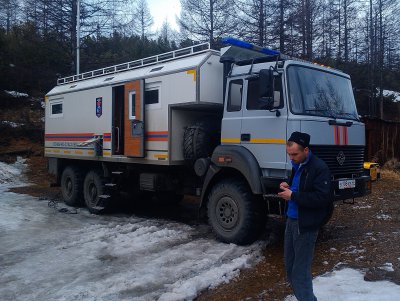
(360, 37)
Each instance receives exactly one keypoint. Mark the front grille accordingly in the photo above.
(353, 158)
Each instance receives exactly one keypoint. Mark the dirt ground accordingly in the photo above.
(364, 235)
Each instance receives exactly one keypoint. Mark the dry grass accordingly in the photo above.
(390, 174)
(392, 164)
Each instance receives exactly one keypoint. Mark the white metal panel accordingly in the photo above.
(79, 113)
(145, 72)
(211, 81)
(78, 123)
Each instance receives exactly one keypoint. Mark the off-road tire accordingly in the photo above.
(198, 142)
(71, 186)
(93, 187)
(235, 215)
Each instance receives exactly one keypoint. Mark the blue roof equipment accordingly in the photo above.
(246, 45)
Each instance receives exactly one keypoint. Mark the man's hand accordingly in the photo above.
(283, 185)
(286, 194)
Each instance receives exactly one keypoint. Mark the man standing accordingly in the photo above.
(310, 205)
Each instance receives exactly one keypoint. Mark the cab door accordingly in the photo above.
(232, 120)
(263, 131)
(134, 119)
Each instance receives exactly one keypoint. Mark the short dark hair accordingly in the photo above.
(290, 143)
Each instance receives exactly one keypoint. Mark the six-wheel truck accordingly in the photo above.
(202, 122)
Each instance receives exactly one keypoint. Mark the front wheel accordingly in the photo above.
(235, 215)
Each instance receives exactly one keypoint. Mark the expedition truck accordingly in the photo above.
(203, 122)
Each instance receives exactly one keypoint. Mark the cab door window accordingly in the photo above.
(235, 95)
(253, 94)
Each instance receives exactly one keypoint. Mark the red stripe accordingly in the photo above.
(344, 132)
(336, 135)
(156, 139)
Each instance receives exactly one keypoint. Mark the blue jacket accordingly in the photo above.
(314, 197)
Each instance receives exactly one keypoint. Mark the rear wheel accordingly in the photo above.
(235, 215)
(94, 192)
(71, 186)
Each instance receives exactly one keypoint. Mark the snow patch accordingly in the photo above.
(349, 285)
(12, 124)
(387, 267)
(362, 207)
(354, 250)
(11, 173)
(16, 94)
(384, 217)
(394, 94)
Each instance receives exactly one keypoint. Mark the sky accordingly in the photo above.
(164, 9)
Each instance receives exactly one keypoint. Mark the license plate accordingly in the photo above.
(345, 184)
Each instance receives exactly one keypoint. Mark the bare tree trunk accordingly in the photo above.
(371, 62)
(261, 19)
(381, 50)
(74, 11)
(303, 27)
(212, 23)
(346, 36)
(281, 26)
(339, 56)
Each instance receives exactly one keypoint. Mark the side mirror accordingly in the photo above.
(266, 88)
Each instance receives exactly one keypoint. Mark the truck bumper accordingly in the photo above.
(362, 188)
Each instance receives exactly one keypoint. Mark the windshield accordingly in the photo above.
(319, 93)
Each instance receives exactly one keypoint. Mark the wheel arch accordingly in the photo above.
(238, 163)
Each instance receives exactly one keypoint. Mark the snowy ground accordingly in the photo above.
(47, 255)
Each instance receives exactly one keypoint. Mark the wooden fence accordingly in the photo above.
(382, 140)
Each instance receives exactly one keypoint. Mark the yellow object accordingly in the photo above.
(373, 170)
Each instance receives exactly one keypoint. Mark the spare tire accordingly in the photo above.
(199, 141)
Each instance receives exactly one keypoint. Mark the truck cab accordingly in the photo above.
(266, 99)
(303, 97)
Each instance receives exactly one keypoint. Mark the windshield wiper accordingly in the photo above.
(329, 113)
(354, 117)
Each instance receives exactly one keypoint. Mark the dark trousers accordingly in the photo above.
(299, 252)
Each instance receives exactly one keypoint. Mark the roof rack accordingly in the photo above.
(164, 57)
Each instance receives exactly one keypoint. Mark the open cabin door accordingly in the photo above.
(134, 119)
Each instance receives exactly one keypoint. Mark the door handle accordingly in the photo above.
(245, 137)
(118, 134)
